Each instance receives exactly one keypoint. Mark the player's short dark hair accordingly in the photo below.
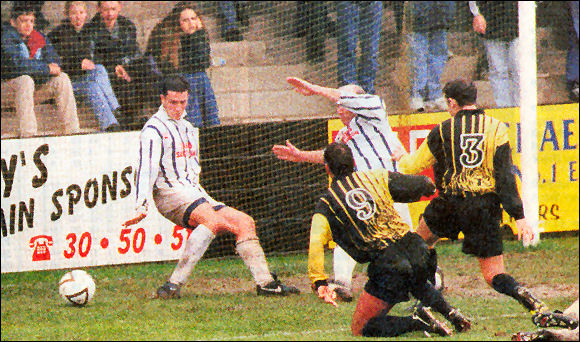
(339, 159)
(176, 83)
(22, 8)
(462, 91)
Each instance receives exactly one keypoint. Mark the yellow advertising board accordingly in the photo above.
(557, 129)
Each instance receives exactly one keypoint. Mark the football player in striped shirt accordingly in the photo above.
(368, 134)
(471, 158)
(169, 168)
(358, 210)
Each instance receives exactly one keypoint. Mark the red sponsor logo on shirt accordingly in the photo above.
(348, 135)
(187, 150)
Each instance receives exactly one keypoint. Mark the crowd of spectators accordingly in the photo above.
(97, 62)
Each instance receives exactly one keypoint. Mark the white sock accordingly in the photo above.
(343, 267)
(253, 255)
(198, 242)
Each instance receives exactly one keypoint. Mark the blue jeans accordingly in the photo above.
(94, 88)
(572, 60)
(504, 74)
(429, 55)
(229, 16)
(202, 109)
(358, 21)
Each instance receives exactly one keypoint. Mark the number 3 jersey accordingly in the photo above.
(359, 211)
(471, 155)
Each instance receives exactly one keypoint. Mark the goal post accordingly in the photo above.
(528, 115)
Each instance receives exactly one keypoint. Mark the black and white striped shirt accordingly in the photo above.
(168, 155)
(368, 134)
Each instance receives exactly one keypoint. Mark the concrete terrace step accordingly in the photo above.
(47, 124)
(270, 106)
(252, 79)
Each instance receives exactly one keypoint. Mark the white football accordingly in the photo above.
(77, 287)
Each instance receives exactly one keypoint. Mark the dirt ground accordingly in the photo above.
(467, 286)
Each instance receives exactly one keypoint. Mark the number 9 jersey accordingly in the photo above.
(359, 210)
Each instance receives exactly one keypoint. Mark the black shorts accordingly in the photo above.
(396, 270)
(478, 217)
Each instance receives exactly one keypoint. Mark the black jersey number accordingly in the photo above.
(472, 151)
(361, 200)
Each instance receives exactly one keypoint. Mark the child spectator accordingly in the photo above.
(90, 81)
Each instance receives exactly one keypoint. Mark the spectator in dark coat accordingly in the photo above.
(116, 49)
(90, 81)
(31, 71)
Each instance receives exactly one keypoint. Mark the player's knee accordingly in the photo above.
(246, 225)
(25, 84)
(215, 224)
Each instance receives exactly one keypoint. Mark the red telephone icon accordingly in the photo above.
(40, 243)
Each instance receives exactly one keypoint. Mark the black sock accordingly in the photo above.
(428, 296)
(432, 265)
(506, 284)
(390, 326)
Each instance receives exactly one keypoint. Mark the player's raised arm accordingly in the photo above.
(291, 153)
(306, 88)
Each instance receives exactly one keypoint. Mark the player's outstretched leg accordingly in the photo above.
(266, 284)
(506, 284)
(195, 246)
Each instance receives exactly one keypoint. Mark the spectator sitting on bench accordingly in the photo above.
(90, 81)
(30, 70)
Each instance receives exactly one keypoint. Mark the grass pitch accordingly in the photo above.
(219, 301)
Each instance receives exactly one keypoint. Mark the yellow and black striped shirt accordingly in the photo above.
(359, 211)
(471, 155)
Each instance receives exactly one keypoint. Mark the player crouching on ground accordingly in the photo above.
(358, 210)
(169, 167)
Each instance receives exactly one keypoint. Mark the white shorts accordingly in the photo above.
(176, 204)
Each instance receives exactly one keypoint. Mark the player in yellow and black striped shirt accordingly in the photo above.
(358, 210)
(471, 158)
